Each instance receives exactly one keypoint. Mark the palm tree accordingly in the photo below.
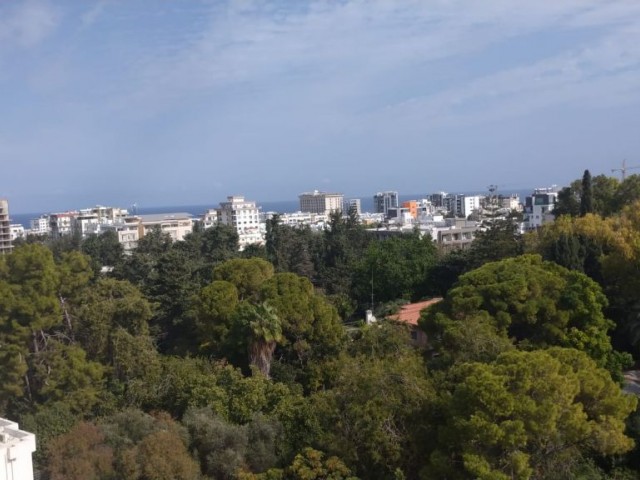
(265, 331)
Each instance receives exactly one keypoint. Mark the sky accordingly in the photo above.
(186, 102)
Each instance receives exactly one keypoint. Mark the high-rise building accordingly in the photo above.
(383, 201)
(321, 202)
(5, 228)
(244, 216)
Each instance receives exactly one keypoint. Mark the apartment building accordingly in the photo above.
(352, 204)
(17, 231)
(5, 227)
(539, 207)
(383, 201)
(40, 225)
(244, 216)
(321, 202)
(61, 223)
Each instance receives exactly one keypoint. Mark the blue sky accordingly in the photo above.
(186, 102)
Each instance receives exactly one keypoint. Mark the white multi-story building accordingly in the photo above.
(321, 202)
(539, 207)
(17, 231)
(244, 216)
(40, 225)
(209, 218)
(5, 228)
(467, 204)
(86, 223)
(352, 204)
(383, 201)
(61, 223)
(16, 447)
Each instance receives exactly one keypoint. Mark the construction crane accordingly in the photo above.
(623, 170)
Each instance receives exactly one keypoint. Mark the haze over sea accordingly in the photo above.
(283, 206)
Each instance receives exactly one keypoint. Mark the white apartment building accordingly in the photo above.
(383, 201)
(353, 203)
(299, 219)
(209, 218)
(61, 223)
(321, 202)
(5, 229)
(467, 204)
(244, 216)
(40, 225)
(539, 207)
(17, 231)
(16, 447)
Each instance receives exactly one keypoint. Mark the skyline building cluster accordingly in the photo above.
(249, 221)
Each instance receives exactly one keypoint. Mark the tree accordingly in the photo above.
(536, 303)
(212, 311)
(247, 274)
(395, 268)
(80, 454)
(265, 332)
(104, 249)
(371, 413)
(311, 327)
(586, 197)
(529, 415)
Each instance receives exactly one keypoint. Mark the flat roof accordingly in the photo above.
(162, 217)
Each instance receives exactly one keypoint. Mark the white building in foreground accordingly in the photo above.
(16, 447)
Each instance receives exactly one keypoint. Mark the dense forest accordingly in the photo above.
(192, 360)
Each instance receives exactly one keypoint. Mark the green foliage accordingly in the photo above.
(104, 249)
(586, 197)
(535, 303)
(212, 310)
(528, 415)
(395, 268)
(225, 449)
(289, 249)
(361, 418)
(500, 240)
(246, 274)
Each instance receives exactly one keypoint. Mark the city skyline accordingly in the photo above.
(119, 102)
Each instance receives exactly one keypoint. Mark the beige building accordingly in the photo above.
(133, 228)
(321, 202)
(5, 228)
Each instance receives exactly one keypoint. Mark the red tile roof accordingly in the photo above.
(410, 313)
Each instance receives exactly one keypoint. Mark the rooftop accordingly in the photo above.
(410, 313)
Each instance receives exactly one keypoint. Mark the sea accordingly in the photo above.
(284, 206)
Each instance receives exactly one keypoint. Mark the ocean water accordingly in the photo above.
(284, 206)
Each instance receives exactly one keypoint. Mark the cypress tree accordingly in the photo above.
(586, 199)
